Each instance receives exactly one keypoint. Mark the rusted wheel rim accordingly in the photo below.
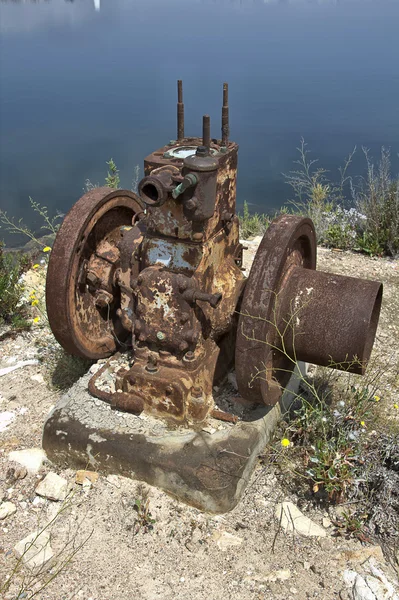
(261, 370)
(78, 324)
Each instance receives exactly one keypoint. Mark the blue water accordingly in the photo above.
(79, 85)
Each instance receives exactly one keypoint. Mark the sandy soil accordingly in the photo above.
(183, 553)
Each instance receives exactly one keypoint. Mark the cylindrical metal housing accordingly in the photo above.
(328, 319)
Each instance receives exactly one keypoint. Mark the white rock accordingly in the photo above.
(35, 550)
(38, 501)
(52, 487)
(31, 458)
(6, 418)
(292, 520)
(379, 582)
(7, 509)
(281, 575)
(38, 377)
(361, 590)
(350, 577)
(225, 540)
(326, 522)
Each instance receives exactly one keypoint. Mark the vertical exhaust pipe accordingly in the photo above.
(206, 132)
(180, 110)
(225, 115)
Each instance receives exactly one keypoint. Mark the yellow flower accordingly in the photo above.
(36, 319)
(362, 423)
(46, 249)
(36, 266)
(35, 302)
(285, 443)
(377, 398)
(396, 406)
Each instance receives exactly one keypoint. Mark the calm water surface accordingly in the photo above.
(84, 81)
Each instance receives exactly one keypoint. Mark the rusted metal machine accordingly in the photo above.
(160, 274)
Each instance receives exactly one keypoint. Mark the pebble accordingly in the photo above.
(52, 487)
(31, 458)
(7, 509)
(292, 519)
(225, 540)
(35, 550)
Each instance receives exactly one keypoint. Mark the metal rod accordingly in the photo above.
(206, 132)
(180, 110)
(225, 115)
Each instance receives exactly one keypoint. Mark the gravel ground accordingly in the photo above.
(176, 552)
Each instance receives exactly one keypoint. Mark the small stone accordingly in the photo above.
(35, 550)
(7, 509)
(225, 540)
(38, 377)
(280, 575)
(293, 520)
(53, 487)
(37, 501)
(82, 475)
(210, 430)
(31, 458)
(326, 522)
(361, 591)
(6, 418)
(306, 565)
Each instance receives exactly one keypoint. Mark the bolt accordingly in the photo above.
(92, 278)
(151, 367)
(196, 391)
(183, 346)
(103, 298)
(192, 203)
(161, 336)
(202, 151)
(189, 355)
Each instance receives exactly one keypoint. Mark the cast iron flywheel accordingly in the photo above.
(81, 293)
(262, 370)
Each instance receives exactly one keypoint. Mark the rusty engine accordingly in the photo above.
(159, 274)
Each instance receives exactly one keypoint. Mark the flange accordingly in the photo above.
(262, 370)
(81, 293)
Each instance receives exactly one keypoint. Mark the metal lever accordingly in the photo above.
(190, 180)
(192, 296)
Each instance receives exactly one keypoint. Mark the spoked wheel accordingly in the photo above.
(262, 370)
(81, 293)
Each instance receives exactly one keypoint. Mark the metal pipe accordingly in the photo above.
(206, 132)
(328, 319)
(225, 115)
(180, 110)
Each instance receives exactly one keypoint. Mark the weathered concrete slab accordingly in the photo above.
(207, 468)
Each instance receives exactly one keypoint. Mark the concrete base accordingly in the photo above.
(209, 468)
